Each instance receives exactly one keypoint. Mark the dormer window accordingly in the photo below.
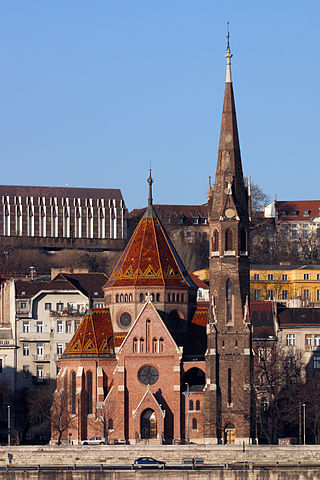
(283, 213)
(181, 220)
(294, 213)
(306, 213)
(195, 220)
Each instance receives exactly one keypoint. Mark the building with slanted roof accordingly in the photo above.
(124, 368)
(47, 315)
(181, 370)
(189, 221)
(295, 226)
(62, 217)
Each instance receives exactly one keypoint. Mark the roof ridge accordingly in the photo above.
(157, 247)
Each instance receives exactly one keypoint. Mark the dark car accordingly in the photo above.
(142, 462)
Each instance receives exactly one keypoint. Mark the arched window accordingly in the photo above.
(228, 240)
(229, 386)
(198, 405)
(191, 405)
(178, 297)
(126, 298)
(215, 241)
(158, 297)
(89, 392)
(130, 297)
(110, 424)
(141, 297)
(161, 345)
(135, 345)
(73, 392)
(168, 297)
(154, 345)
(173, 297)
(229, 301)
(121, 298)
(117, 298)
(182, 297)
(194, 424)
(243, 240)
(152, 297)
(141, 345)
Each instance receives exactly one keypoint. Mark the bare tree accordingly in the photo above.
(258, 198)
(105, 420)
(279, 375)
(55, 408)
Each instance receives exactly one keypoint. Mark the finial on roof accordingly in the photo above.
(228, 56)
(150, 181)
(149, 213)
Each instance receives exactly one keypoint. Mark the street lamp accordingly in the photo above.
(304, 422)
(9, 425)
(187, 394)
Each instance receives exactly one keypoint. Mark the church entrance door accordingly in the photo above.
(229, 434)
(148, 424)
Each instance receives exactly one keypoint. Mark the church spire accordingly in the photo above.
(228, 332)
(229, 167)
(149, 213)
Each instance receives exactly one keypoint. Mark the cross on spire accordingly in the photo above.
(228, 56)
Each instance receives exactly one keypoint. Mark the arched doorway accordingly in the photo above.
(148, 424)
(229, 433)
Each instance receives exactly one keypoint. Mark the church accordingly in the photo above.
(155, 366)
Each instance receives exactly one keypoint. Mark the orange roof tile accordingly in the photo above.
(94, 336)
(150, 258)
(201, 315)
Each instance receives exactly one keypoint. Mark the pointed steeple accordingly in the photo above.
(149, 213)
(149, 258)
(229, 173)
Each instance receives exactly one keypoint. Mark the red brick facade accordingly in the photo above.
(228, 359)
(154, 367)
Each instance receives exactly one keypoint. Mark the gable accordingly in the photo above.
(150, 332)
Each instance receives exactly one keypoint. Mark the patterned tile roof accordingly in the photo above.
(197, 338)
(201, 315)
(150, 258)
(94, 336)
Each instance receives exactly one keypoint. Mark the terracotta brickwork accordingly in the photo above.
(227, 396)
(154, 366)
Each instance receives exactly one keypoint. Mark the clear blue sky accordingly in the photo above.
(93, 91)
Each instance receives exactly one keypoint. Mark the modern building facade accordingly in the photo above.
(62, 217)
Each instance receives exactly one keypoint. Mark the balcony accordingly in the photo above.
(41, 358)
(67, 312)
(42, 380)
(312, 348)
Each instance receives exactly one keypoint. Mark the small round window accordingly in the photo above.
(125, 319)
(148, 375)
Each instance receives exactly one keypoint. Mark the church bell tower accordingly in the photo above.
(228, 358)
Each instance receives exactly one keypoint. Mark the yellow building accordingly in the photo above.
(294, 285)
